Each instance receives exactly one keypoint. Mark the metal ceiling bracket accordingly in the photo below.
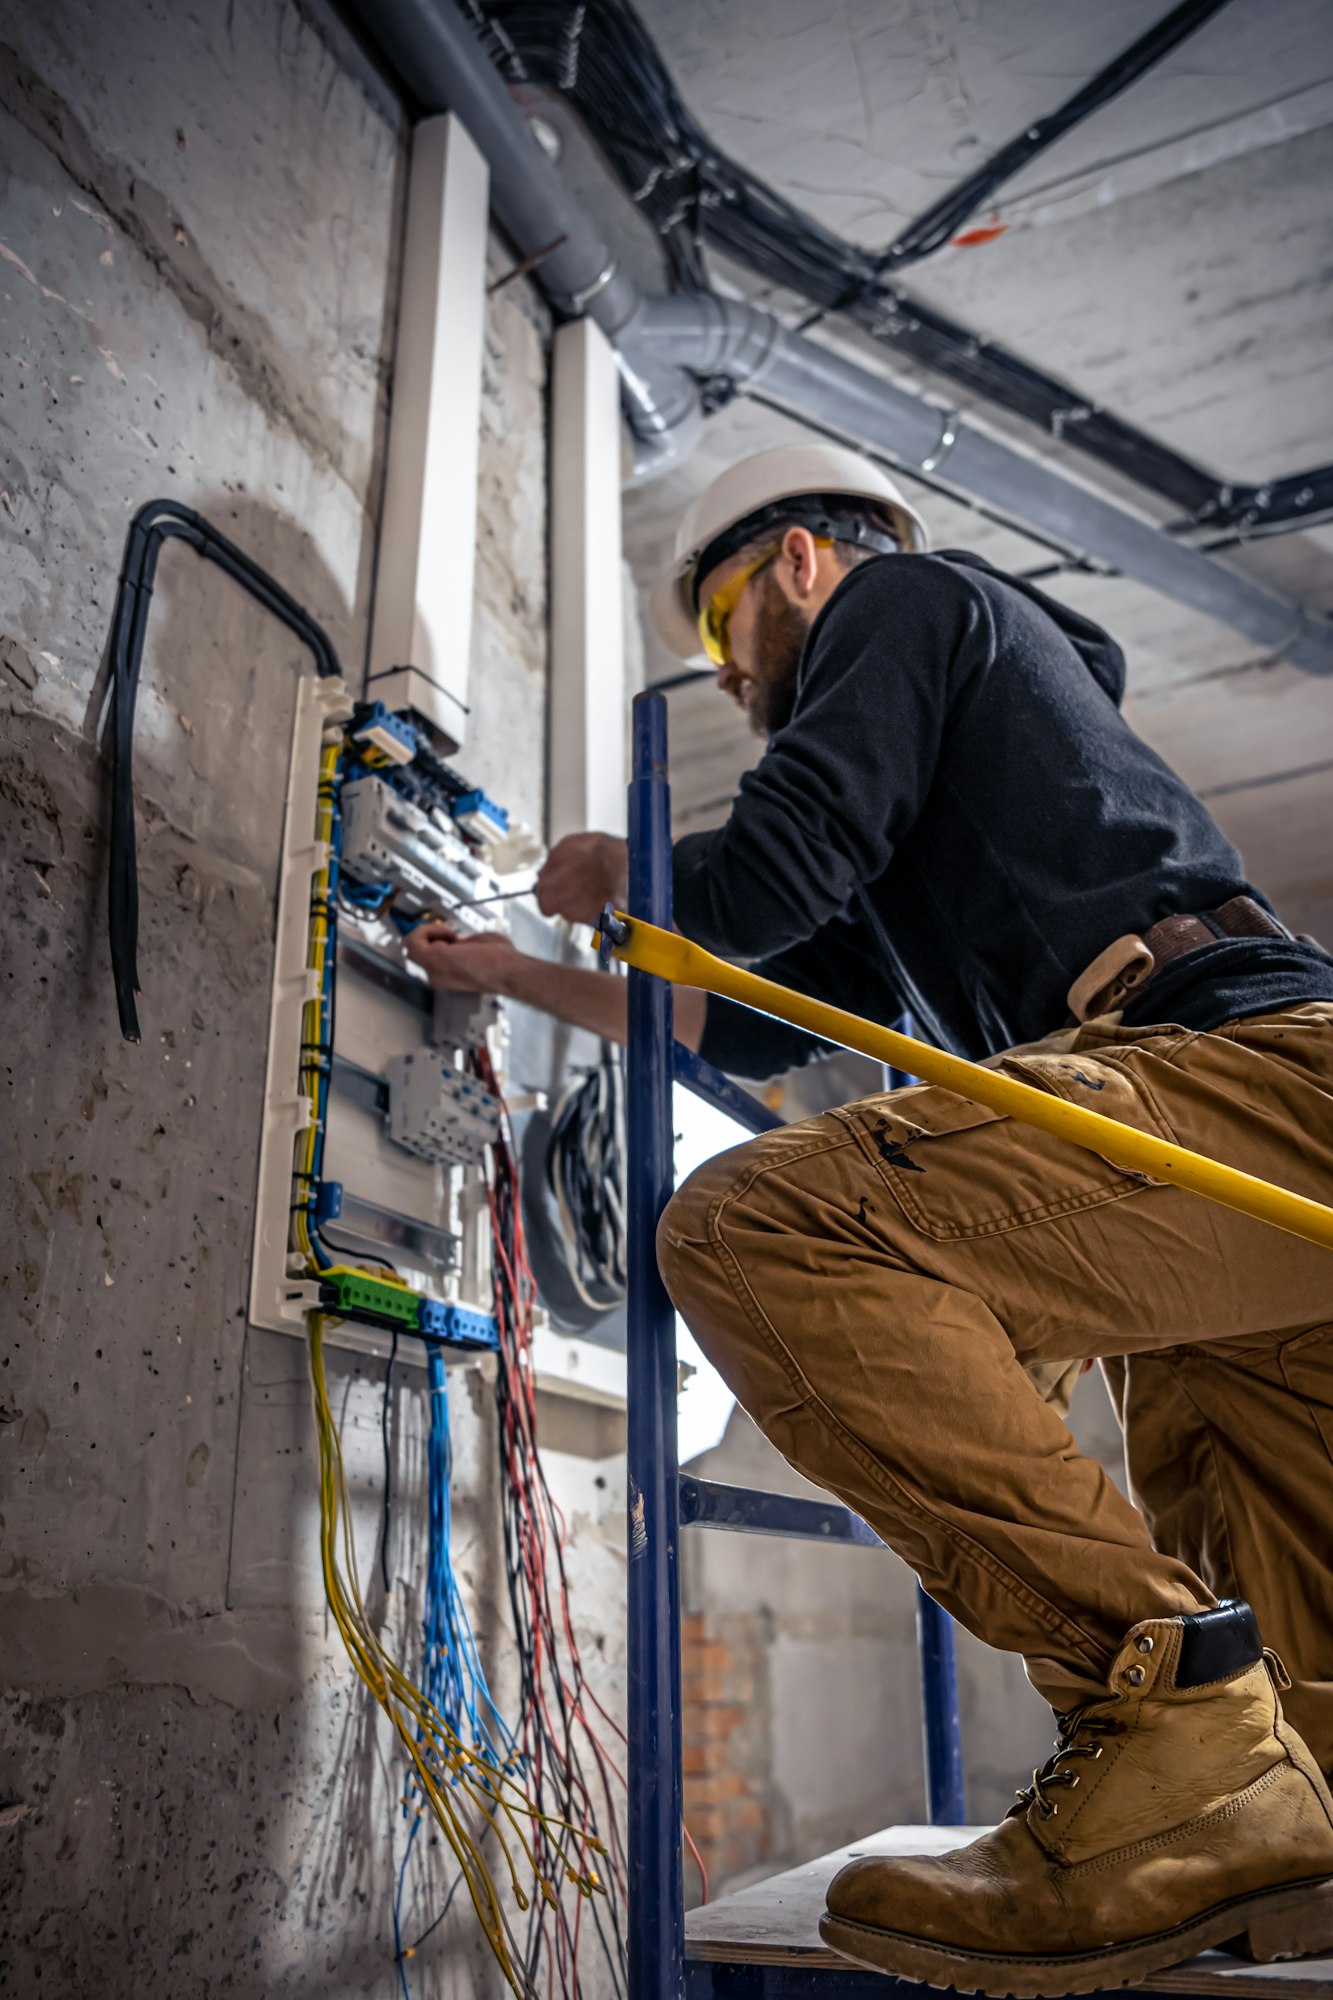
(944, 443)
(580, 301)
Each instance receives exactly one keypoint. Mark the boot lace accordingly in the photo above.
(1081, 1735)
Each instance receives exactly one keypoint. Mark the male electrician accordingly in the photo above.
(952, 816)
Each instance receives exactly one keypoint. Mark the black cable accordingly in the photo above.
(1276, 506)
(388, 1461)
(941, 222)
(157, 522)
(410, 1950)
(599, 55)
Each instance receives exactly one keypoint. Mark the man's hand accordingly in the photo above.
(463, 963)
(581, 874)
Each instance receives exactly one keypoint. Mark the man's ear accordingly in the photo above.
(798, 565)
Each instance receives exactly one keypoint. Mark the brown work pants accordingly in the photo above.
(883, 1288)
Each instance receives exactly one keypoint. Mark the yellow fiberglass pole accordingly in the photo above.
(669, 956)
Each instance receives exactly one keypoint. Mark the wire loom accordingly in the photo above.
(572, 1772)
(452, 1675)
(445, 1768)
(600, 57)
(468, 1770)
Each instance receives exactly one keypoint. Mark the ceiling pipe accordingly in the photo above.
(440, 63)
(664, 345)
(715, 336)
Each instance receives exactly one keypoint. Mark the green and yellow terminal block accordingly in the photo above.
(379, 1299)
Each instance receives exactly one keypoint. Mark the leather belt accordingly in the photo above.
(1130, 964)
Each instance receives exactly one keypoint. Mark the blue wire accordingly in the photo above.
(452, 1678)
(369, 896)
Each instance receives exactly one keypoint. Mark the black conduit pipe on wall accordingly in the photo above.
(156, 523)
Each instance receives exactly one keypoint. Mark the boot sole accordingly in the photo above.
(1294, 1920)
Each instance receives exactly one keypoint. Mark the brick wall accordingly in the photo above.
(733, 1814)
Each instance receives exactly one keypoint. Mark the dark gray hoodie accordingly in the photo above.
(956, 820)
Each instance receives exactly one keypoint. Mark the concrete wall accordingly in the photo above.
(199, 217)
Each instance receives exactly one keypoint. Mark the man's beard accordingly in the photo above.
(780, 633)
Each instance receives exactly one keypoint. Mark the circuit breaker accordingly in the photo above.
(418, 852)
(372, 1125)
(382, 1098)
(439, 1112)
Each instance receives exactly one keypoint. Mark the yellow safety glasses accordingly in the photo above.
(715, 612)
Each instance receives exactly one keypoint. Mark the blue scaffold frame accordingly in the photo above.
(661, 1502)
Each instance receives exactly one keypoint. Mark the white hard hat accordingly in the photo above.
(786, 472)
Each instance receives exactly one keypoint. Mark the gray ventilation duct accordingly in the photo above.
(441, 65)
(713, 336)
(664, 345)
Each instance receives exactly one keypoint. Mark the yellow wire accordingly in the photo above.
(312, 1012)
(672, 957)
(446, 1767)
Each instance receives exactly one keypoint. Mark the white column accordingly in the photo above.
(586, 771)
(422, 630)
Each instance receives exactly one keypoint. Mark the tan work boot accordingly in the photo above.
(1179, 1814)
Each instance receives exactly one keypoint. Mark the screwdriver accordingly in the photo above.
(407, 924)
(504, 896)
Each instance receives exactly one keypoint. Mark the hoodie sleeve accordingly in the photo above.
(836, 965)
(841, 784)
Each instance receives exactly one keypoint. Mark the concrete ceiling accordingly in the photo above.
(1173, 258)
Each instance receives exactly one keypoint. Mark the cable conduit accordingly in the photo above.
(437, 58)
(714, 336)
(664, 344)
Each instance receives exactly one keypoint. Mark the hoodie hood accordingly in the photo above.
(1098, 651)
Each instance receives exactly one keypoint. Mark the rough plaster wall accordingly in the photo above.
(199, 214)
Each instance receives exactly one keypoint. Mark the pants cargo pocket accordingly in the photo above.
(1307, 1368)
(958, 1170)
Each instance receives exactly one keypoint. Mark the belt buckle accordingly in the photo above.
(1111, 978)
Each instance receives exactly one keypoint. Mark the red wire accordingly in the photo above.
(539, 1526)
(698, 1860)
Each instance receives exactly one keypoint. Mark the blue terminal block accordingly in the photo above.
(379, 729)
(480, 816)
(328, 1202)
(457, 1326)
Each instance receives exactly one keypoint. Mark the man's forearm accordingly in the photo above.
(593, 1000)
